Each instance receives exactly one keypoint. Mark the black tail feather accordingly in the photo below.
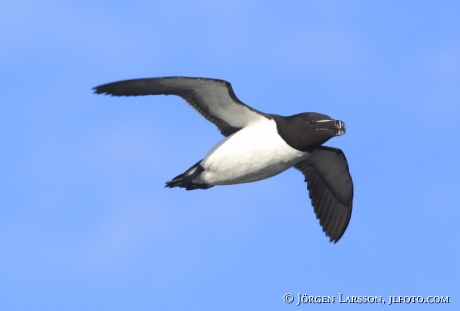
(185, 180)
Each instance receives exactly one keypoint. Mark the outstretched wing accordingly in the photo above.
(331, 189)
(213, 99)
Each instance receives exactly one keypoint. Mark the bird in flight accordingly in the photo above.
(258, 145)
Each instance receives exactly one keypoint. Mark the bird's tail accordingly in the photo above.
(185, 180)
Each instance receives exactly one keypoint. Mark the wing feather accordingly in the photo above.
(214, 99)
(330, 189)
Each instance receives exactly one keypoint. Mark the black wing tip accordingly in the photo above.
(111, 90)
(97, 90)
(123, 88)
(101, 89)
(336, 232)
(334, 240)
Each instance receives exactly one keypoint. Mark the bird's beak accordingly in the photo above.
(341, 128)
(335, 125)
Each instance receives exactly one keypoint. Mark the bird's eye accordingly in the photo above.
(312, 121)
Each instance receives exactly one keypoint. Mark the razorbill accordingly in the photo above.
(258, 145)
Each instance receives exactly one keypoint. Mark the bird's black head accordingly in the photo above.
(306, 131)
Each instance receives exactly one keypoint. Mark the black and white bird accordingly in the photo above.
(258, 145)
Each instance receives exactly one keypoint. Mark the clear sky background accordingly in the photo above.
(85, 223)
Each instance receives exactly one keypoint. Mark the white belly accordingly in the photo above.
(255, 152)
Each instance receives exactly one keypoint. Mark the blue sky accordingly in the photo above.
(85, 223)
